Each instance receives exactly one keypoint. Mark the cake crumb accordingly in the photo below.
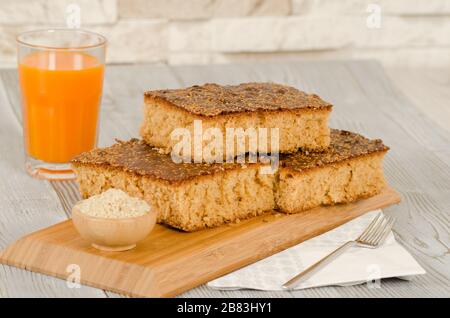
(113, 204)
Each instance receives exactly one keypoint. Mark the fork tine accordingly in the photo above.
(374, 239)
(369, 228)
(385, 235)
(369, 238)
(372, 227)
(383, 232)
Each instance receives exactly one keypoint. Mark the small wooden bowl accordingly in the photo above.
(113, 235)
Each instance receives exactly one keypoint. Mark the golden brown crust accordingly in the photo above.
(344, 145)
(137, 157)
(171, 107)
(213, 99)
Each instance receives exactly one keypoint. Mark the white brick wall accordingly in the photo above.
(52, 12)
(202, 9)
(136, 41)
(355, 7)
(270, 34)
(412, 33)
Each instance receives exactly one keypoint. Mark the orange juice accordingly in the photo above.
(61, 94)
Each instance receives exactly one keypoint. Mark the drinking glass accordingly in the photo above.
(61, 81)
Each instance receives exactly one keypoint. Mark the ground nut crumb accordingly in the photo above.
(114, 204)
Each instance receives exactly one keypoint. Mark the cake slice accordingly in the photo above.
(194, 196)
(350, 169)
(302, 119)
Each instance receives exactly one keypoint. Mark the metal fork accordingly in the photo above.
(372, 237)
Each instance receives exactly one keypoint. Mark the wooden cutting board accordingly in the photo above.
(169, 262)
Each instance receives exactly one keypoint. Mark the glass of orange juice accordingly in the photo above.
(61, 79)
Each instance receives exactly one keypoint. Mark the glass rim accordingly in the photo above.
(21, 41)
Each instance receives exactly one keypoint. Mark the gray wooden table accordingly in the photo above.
(365, 100)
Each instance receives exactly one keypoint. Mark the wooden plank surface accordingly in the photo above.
(428, 89)
(418, 165)
(152, 269)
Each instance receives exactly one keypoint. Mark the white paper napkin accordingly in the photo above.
(357, 265)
